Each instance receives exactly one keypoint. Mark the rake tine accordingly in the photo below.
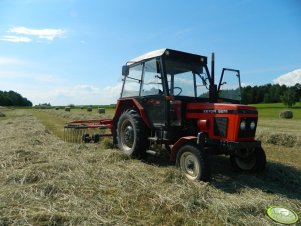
(78, 135)
(73, 135)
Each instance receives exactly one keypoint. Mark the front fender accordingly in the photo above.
(178, 144)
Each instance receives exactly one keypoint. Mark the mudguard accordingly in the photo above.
(178, 144)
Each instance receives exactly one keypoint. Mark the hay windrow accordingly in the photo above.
(276, 138)
(45, 181)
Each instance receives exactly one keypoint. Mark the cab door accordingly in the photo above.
(229, 88)
(152, 96)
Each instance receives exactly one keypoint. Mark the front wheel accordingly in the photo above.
(193, 162)
(253, 163)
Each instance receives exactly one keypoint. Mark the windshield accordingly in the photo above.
(187, 79)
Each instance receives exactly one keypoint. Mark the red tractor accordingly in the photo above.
(170, 105)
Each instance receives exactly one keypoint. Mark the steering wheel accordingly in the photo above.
(178, 88)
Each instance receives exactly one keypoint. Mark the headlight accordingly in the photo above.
(252, 125)
(243, 125)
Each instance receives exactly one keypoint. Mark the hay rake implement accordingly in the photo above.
(78, 131)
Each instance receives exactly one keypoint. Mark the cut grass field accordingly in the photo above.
(272, 129)
(45, 181)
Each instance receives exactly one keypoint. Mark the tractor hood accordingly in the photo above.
(220, 108)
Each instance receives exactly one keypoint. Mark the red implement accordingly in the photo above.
(78, 131)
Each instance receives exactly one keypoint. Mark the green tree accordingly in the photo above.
(289, 97)
(12, 98)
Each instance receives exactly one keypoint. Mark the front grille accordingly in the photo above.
(220, 126)
(247, 132)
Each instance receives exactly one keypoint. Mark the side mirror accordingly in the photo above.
(125, 70)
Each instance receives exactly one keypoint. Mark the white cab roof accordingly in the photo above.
(149, 55)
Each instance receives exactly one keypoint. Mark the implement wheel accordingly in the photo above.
(193, 162)
(131, 135)
(253, 163)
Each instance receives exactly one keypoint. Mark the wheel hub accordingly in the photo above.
(190, 165)
(128, 134)
(246, 163)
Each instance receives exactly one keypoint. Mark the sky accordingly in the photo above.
(71, 51)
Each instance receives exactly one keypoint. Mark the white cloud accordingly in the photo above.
(80, 95)
(244, 84)
(24, 34)
(15, 76)
(289, 79)
(46, 33)
(9, 61)
(16, 39)
(113, 91)
(80, 91)
(41, 87)
(47, 78)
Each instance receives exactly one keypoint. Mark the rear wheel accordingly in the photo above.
(193, 162)
(253, 163)
(131, 136)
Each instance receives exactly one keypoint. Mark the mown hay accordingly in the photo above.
(286, 114)
(101, 110)
(51, 182)
(287, 140)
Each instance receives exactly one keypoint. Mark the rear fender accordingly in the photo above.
(129, 103)
(179, 144)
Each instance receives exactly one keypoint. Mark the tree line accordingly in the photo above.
(12, 98)
(269, 93)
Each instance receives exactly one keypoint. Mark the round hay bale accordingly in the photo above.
(89, 108)
(67, 108)
(101, 110)
(2, 114)
(286, 114)
(57, 108)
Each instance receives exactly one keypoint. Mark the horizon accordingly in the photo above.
(71, 52)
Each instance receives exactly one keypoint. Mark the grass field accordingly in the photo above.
(271, 111)
(274, 130)
(45, 181)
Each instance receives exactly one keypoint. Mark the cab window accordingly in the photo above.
(152, 83)
(132, 82)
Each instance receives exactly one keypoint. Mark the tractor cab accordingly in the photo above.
(165, 81)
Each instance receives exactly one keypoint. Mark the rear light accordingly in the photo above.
(175, 113)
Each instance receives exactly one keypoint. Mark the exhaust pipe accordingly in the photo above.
(212, 69)
(213, 87)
